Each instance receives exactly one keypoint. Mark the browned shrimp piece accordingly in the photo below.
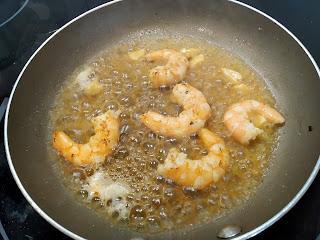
(100, 145)
(197, 173)
(237, 120)
(173, 72)
(196, 112)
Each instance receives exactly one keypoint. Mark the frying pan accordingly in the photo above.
(275, 53)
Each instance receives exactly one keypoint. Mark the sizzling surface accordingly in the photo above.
(157, 204)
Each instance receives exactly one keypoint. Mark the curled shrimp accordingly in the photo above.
(173, 72)
(197, 174)
(106, 127)
(190, 120)
(238, 122)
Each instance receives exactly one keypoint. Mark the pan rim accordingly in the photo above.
(69, 233)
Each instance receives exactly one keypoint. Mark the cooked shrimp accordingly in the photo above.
(237, 119)
(100, 145)
(173, 72)
(200, 173)
(196, 112)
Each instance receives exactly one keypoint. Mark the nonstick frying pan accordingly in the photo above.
(277, 55)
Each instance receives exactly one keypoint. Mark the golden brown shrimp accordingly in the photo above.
(173, 72)
(238, 122)
(196, 112)
(100, 145)
(197, 174)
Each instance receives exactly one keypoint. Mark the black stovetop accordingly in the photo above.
(35, 20)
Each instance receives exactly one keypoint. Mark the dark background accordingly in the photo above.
(22, 35)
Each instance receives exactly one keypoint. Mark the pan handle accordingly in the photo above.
(3, 107)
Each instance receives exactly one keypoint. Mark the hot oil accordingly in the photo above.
(158, 204)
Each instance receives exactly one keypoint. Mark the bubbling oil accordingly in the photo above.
(157, 204)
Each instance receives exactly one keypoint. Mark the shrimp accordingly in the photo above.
(197, 174)
(237, 119)
(173, 72)
(196, 112)
(100, 145)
